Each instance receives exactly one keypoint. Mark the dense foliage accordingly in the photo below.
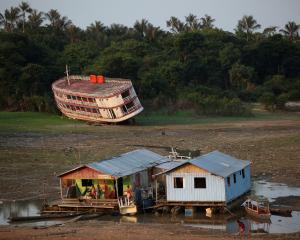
(194, 65)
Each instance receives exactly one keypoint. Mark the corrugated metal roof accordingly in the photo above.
(171, 164)
(217, 163)
(129, 163)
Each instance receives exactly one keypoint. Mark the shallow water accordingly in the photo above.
(272, 190)
(277, 224)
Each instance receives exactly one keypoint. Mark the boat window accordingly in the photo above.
(94, 110)
(178, 182)
(234, 178)
(124, 109)
(88, 109)
(82, 109)
(73, 97)
(243, 173)
(199, 182)
(84, 99)
(228, 181)
(125, 94)
(129, 105)
(68, 97)
(112, 113)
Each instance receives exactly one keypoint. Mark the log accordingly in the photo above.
(43, 217)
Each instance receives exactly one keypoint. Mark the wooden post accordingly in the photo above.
(61, 193)
(117, 190)
(156, 192)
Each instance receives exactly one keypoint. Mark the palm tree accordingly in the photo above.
(141, 27)
(25, 8)
(192, 22)
(56, 21)
(247, 25)
(291, 30)
(176, 25)
(270, 31)
(35, 19)
(207, 22)
(10, 18)
(117, 29)
(152, 32)
(96, 27)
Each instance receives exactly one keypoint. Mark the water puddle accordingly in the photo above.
(23, 209)
(272, 191)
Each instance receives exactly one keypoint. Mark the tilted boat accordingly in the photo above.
(257, 208)
(96, 98)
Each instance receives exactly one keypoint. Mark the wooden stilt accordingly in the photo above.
(156, 192)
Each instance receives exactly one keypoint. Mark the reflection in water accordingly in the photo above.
(278, 224)
(19, 208)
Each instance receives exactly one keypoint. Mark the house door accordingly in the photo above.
(120, 187)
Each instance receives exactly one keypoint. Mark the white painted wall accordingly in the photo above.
(214, 191)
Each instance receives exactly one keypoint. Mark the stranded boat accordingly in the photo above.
(258, 209)
(96, 98)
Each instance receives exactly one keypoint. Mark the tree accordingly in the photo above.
(35, 19)
(10, 18)
(25, 8)
(175, 25)
(291, 30)
(207, 22)
(57, 21)
(192, 23)
(270, 31)
(241, 76)
(140, 27)
(247, 25)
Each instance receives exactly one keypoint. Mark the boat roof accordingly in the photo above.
(217, 163)
(81, 85)
(126, 164)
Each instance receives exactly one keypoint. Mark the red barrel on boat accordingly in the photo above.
(93, 78)
(100, 79)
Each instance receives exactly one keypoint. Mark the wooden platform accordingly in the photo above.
(78, 205)
(162, 203)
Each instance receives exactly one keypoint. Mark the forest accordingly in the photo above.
(191, 65)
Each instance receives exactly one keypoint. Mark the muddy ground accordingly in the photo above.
(30, 161)
(94, 230)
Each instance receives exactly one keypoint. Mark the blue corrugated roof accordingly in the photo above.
(128, 163)
(171, 164)
(217, 163)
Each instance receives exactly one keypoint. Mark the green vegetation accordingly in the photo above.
(44, 122)
(193, 66)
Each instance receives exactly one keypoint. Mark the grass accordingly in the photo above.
(22, 121)
(32, 121)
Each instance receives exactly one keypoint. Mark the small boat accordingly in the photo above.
(257, 208)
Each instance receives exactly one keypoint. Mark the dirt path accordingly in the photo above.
(107, 230)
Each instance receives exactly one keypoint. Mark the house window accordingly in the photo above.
(129, 105)
(86, 182)
(178, 182)
(228, 181)
(234, 178)
(199, 182)
(243, 173)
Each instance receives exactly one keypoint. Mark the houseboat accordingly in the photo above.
(96, 98)
(213, 180)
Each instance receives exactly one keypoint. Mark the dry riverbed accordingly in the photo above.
(30, 161)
